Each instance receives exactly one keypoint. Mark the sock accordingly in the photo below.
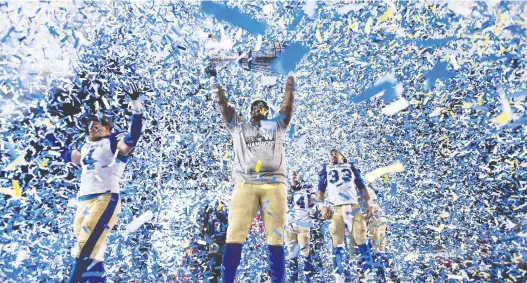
(231, 259)
(79, 267)
(95, 274)
(337, 260)
(293, 267)
(365, 257)
(277, 263)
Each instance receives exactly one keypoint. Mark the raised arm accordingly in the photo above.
(227, 111)
(128, 143)
(67, 154)
(286, 108)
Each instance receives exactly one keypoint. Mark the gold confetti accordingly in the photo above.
(16, 189)
(258, 165)
(387, 15)
(43, 164)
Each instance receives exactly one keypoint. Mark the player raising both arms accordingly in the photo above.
(260, 176)
(103, 159)
(343, 184)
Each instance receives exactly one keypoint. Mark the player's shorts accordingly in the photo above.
(297, 240)
(377, 232)
(94, 220)
(246, 199)
(347, 218)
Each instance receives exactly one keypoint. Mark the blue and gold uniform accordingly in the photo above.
(103, 159)
(341, 182)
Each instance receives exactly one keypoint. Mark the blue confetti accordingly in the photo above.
(289, 58)
(233, 16)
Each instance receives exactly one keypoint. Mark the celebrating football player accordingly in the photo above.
(377, 234)
(299, 227)
(260, 176)
(103, 159)
(343, 183)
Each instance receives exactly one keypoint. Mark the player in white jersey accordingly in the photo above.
(377, 234)
(103, 159)
(302, 204)
(343, 184)
(260, 176)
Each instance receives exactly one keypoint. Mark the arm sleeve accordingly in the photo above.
(322, 179)
(65, 152)
(359, 182)
(134, 134)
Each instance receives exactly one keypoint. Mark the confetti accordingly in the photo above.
(258, 165)
(438, 87)
(394, 168)
(289, 58)
(233, 17)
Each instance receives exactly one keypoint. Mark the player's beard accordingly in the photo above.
(259, 117)
(95, 136)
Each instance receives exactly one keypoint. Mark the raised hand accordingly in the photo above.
(211, 70)
(133, 90)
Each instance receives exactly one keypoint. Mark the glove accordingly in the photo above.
(133, 91)
(65, 152)
(211, 70)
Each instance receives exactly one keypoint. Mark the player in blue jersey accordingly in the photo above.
(343, 184)
(302, 204)
(214, 230)
(103, 159)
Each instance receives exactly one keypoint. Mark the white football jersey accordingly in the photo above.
(341, 184)
(102, 167)
(303, 204)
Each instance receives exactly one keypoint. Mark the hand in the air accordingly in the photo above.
(133, 90)
(291, 81)
(211, 70)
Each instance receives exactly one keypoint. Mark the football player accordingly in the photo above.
(103, 159)
(298, 230)
(214, 228)
(343, 184)
(260, 176)
(376, 233)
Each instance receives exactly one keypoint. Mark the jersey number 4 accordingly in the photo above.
(345, 175)
(88, 160)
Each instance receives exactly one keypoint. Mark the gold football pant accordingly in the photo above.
(297, 236)
(246, 199)
(347, 219)
(377, 231)
(94, 220)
